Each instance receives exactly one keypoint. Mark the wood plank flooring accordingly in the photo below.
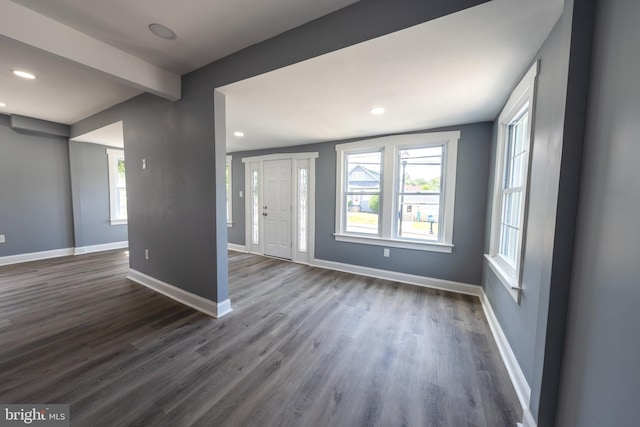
(303, 347)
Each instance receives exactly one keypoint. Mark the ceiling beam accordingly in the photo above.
(26, 26)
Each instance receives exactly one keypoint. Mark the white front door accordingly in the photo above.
(277, 208)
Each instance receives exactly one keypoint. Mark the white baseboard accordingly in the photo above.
(428, 282)
(511, 363)
(224, 307)
(527, 419)
(35, 256)
(99, 248)
(237, 248)
(204, 305)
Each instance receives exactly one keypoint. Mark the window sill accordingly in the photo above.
(403, 244)
(508, 280)
(118, 221)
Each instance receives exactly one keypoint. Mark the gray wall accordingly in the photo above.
(176, 207)
(519, 321)
(600, 377)
(35, 192)
(90, 193)
(463, 265)
(535, 327)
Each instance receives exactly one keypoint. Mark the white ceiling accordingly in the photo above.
(91, 54)
(207, 29)
(111, 135)
(455, 70)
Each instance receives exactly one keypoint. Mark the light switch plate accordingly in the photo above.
(2, 240)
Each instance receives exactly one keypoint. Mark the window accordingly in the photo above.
(360, 192)
(117, 187)
(512, 188)
(303, 207)
(398, 191)
(229, 190)
(510, 185)
(255, 208)
(419, 197)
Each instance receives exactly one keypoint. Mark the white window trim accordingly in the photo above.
(229, 163)
(525, 92)
(113, 155)
(390, 146)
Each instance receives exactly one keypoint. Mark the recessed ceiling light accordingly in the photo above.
(162, 32)
(23, 74)
(2, 104)
(238, 134)
(377, 110)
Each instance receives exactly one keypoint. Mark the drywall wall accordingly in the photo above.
(90, 193)
(519, 321)
(535, 327)
(600, 375)
(463, 265)
(35, 192)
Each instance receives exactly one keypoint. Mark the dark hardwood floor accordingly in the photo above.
(304, 346)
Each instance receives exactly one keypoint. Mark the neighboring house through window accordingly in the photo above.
(510, 185)
(398, 191)
(117, 187)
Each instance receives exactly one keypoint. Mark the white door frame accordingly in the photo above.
(298, 160)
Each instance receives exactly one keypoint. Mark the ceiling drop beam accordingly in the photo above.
(26, 26)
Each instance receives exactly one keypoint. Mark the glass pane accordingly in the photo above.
(510, 227)
(302, 209)
(515, 166)
(508, 243)
(511, 209)
(420, 169)
(520, 127)
(362, 197)
(121, 201)
(516, 178)
(419, 217)
(255, 208)
(121, 191)
(121, 173)
(363, 213)
(364, 172)
(228, 191)
(419, 207)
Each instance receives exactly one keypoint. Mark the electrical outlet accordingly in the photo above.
(2, 240)
(146, 254)
(387, 252)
